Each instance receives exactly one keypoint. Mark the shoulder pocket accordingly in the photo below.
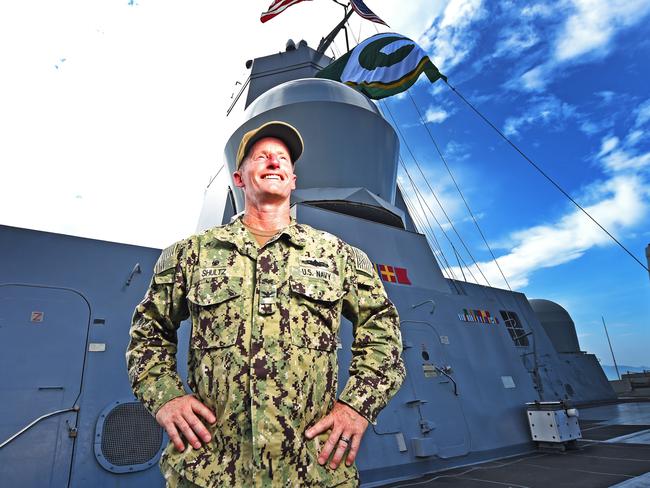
(365, 281)
(164, 278)
(216, 311)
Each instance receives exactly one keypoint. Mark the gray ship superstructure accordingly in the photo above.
(475, 355)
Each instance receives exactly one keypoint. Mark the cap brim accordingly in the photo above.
(280, 130)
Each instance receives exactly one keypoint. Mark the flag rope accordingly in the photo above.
(443, 159)
(428, 227)
(408, 148)
(454, 280)
(544, 174)
(419, 195)
(419, 225)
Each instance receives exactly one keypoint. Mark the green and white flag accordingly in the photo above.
(381, 66)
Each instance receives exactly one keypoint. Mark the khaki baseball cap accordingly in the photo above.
(281, 130)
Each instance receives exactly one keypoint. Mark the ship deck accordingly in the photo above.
(614, 451)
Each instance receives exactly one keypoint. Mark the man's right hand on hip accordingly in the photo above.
(179, 416)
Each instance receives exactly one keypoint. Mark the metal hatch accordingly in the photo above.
(434, 394)
(41, 374)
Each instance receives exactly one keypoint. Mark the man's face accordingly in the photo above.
(266, 175)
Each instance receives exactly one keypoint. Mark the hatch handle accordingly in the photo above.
(433, 305)
(444, 371)
(42, 417)
(136, 270)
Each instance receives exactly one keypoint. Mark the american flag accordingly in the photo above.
(277, 7)
(363, 10)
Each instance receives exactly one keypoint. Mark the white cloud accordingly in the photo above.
(519, 33)
(591, 127)
(594, 23)
(535, 79)
(437, 88)
(642, 113)
(448, 225)
(613, 104)
(624, 204)
(133, 120)
(436, 115)
(513, 42)
(626, 156)
(441, 185)
(408, 18)
(587, 32)
(541, 10)
(625, 159)
(619, 204)
(608, 144)
(446, 194)
(635, 137)
(459, 12)
(546, 110)
(452, 38)
(457, 151)
(606, 95)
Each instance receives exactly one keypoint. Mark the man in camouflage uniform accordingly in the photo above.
(265, 295)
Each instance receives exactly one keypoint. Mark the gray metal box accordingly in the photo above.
(553, 423)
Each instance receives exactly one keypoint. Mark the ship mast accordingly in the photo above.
(326, 41)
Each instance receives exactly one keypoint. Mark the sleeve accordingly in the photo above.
(376, 370)
(151, 354)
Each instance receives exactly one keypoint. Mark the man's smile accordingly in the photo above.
(272, 177)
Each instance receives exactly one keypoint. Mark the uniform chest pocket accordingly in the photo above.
(216, 307)
(315, 311)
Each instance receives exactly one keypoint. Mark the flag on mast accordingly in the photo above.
(277, 7)
(381, 66)
(363, 10)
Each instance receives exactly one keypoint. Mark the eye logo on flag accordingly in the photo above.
(381, 66)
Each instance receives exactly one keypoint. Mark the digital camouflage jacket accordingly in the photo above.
(263, 349)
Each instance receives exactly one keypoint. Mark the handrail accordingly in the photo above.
(442, 371)
(42, 417)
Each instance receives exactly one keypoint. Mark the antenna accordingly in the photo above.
(610, 348)
(326, 41)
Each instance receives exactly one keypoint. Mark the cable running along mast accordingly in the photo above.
(421, 199)
(442, 158)
(436, 198)
(445, 267)
(429, 227)
(541, 171)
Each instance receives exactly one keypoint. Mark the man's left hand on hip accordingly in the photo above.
(347, 428)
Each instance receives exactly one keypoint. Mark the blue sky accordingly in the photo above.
(108, 105)
(567, 82)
